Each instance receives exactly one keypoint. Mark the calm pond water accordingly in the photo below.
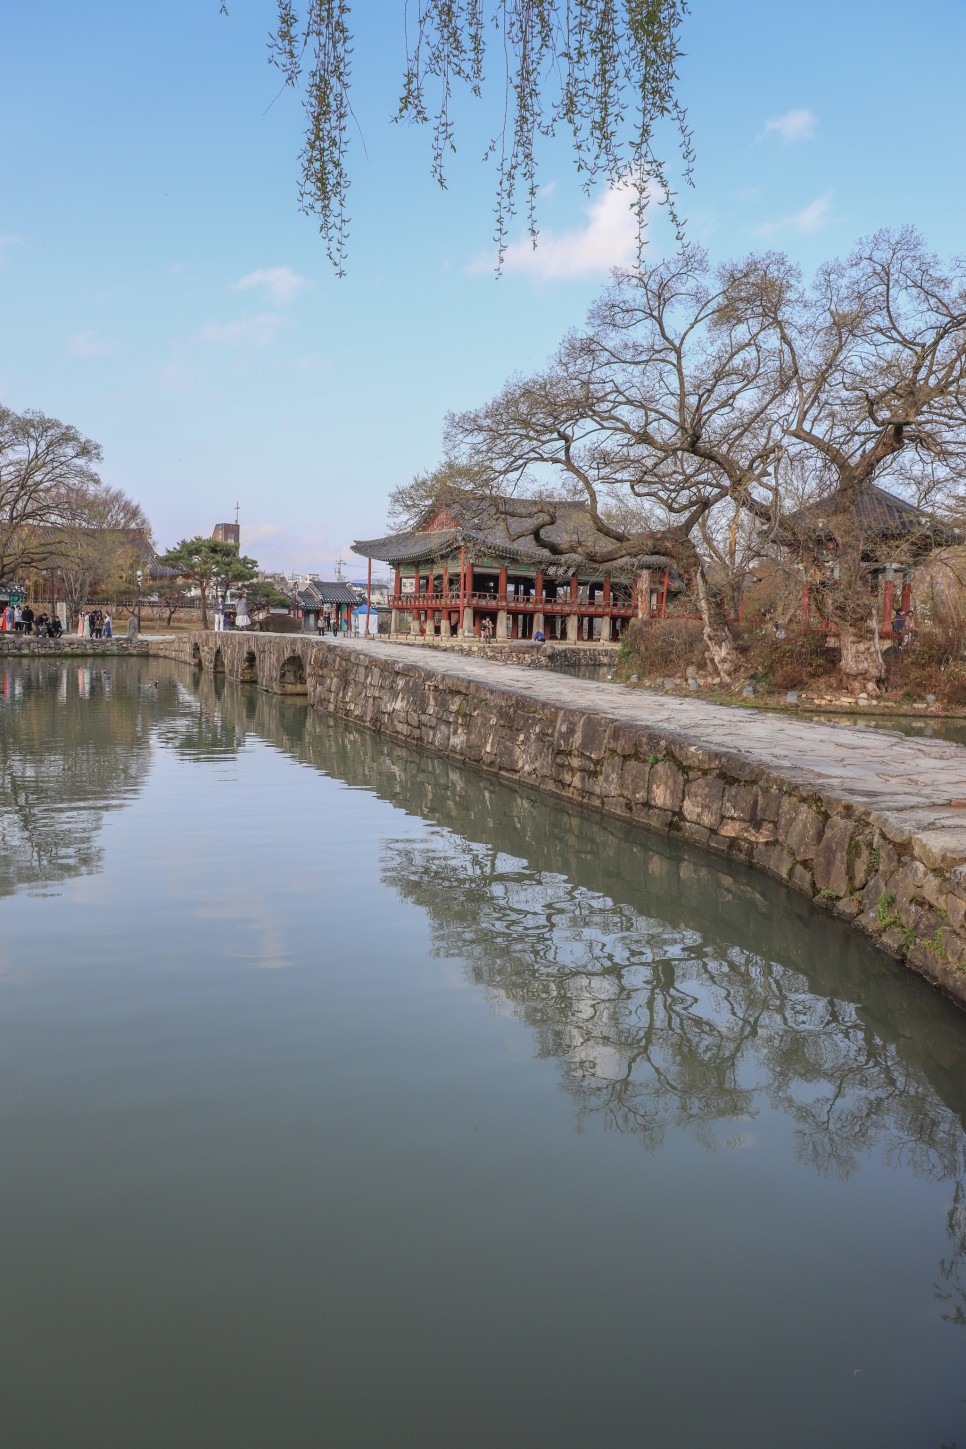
(348, 1098)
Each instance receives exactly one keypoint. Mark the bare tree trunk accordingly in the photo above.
(862, 664)
(204, 604)
(718, 637)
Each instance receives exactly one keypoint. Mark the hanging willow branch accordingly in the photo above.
(604, 71)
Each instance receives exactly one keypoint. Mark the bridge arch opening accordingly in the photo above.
(291, 676)
(249, 669)
(218, 663)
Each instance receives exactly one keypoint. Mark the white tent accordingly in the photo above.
(358, 617)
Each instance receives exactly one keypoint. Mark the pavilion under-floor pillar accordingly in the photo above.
(469, 629)
(445, 632)
(502, 624)
(538, 624)
(573, 628)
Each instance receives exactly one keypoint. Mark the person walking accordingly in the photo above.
(108, 627)
(898, 628)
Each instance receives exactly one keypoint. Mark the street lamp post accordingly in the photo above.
(139, 577)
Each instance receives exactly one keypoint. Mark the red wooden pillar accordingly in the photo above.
(606, 590)
(538, 586)
(368, 598)
(664, 595)
(462, 586)
(906, 596)
(887, 593)
(573, 588)
(501, 586)
(445, 578)
(397, 586)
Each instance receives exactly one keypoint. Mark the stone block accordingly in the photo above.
(768, 801)
(697, 834)
(831, 864)
(860, 860)
(666, 786)
(612, 775)
(801, 879)
(776, 859)
(702, 801)
(741, 830)
(634, 780)
(738, 802)
(800, 827)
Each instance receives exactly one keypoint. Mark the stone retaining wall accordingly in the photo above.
(70, 645)
(550, 655)
(872, 866)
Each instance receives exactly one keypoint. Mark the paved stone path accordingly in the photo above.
(911, 781)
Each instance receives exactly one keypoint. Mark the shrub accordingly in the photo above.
(790, 663)
(663, 646)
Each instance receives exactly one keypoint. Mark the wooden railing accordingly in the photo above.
(514, 604)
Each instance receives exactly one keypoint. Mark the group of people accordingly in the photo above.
(327, 624)
(14, 620)
(94, 624)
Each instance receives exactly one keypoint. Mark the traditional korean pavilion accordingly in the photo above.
(473, 568)
(894, 536)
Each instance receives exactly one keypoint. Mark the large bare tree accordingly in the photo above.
(671, 404)
(101, 547)
(699, 391)
(879, 380)
(47, 473)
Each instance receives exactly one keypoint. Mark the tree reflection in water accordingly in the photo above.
(673, 992)
(75, 743)
(654, 1029)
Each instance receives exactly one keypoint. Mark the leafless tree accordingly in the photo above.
(47, 474)
(878, 352)
(670, 404)
(103, 545)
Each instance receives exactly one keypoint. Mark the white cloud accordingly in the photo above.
(608, 240)
(811, 218)
(89, 344)
(257, 331)
(282, 284)
(793, 125)
(10, 240)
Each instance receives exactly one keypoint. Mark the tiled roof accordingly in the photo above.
(879, 514)
(329, 593)
(501, 528)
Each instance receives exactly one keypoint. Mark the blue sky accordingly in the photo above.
(159, 289)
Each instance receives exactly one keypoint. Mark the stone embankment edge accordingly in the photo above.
(859, 863)
(69, 646)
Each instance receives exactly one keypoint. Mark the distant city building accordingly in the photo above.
(228, 533)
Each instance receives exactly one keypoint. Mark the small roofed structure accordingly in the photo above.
(473, 568)
(893, 535)
(321, 604)
(364, 619)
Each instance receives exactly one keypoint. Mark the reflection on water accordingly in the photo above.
(75, 742)
(341, 1201)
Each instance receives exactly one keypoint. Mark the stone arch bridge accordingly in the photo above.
(279, 663)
